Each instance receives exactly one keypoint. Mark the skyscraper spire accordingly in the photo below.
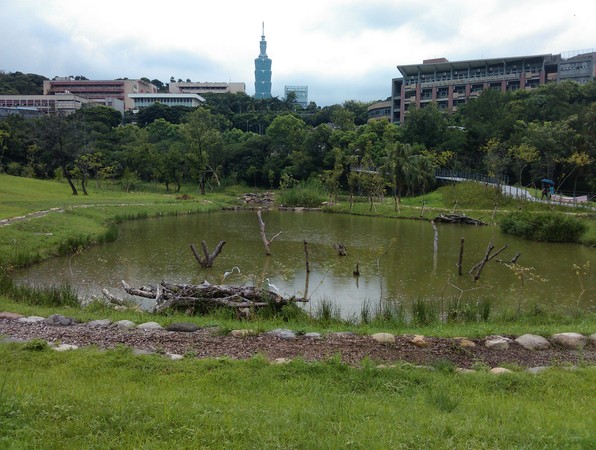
(263, 70)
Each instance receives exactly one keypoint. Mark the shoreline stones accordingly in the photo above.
(533, 342)
(570, 342)
(574, 341)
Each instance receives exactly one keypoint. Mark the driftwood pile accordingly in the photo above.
(192, 298)
(458, 218)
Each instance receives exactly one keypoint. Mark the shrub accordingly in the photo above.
(309, 194)
(549, 227)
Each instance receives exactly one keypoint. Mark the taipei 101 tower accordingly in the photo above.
(263, 71)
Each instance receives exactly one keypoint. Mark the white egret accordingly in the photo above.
(227, 274)
(272, 286)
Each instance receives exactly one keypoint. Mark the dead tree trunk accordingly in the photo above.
(477, 265)
(341, 249)
(266, 242)
(486, 258)
(306, 257)
(207, 261)
(461, 256)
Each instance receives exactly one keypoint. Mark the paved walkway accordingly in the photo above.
(517, 192)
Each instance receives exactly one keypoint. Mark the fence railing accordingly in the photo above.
(474, 176)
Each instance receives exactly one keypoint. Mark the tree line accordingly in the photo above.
(547, 132)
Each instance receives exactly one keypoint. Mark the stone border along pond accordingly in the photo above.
(183, 340)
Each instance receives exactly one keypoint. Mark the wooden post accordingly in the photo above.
(515, 258)
(306, 257)
(461, 256)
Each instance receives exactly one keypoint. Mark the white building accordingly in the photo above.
(145, 100)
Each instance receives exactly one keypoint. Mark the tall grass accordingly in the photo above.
(52, 296)
(308, 194)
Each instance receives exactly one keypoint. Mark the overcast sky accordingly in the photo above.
(341, 49)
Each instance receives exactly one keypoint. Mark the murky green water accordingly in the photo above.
(395, 257)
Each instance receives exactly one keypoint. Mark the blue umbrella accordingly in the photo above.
(546, 180)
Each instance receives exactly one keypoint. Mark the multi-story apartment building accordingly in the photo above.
(206, 88)
(451, 84)
(99, 89)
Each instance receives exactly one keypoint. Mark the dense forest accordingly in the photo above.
(524, 135)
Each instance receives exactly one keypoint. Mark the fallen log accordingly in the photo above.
(458, 218)
(206, 296)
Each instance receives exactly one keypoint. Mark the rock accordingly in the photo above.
(281, 361)
(499, 370)
(466, 343)
(384, 338)
(31, 319)
(10, 315)
(58, 320)
(593, 339)
(183, 327)
(124, 324)
(498, 343)
(242, 333)
(149, 326)
(283, 334)
(463, 370)
(537, 370)
(101, 323)
(314, 335)
(65, 347)
(174, 356)
(141, 351)
(420, 341)
(533, 342)
(573, 341)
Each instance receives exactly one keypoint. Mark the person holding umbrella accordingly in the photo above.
(546, 190)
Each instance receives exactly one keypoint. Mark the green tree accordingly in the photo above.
(204, 141)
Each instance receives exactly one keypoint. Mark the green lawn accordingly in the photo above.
(113, 399)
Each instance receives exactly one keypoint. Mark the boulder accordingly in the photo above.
(466, 343)
(533, 342)
(574, 341)
(124, 324)
(419, 341)
(58, 320)
(283, 333)
(499, 370)
(183, 327)
(149, 326)
(593, 339)
(242, 333)
(174, 356)
(101, 323)
(281, 361)
(497, 343)
(314, 335)
(65, 347)
(384, 338)
(31, 319)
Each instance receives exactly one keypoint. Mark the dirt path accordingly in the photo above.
(351, 348)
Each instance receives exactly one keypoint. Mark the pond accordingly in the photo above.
(396, 261)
